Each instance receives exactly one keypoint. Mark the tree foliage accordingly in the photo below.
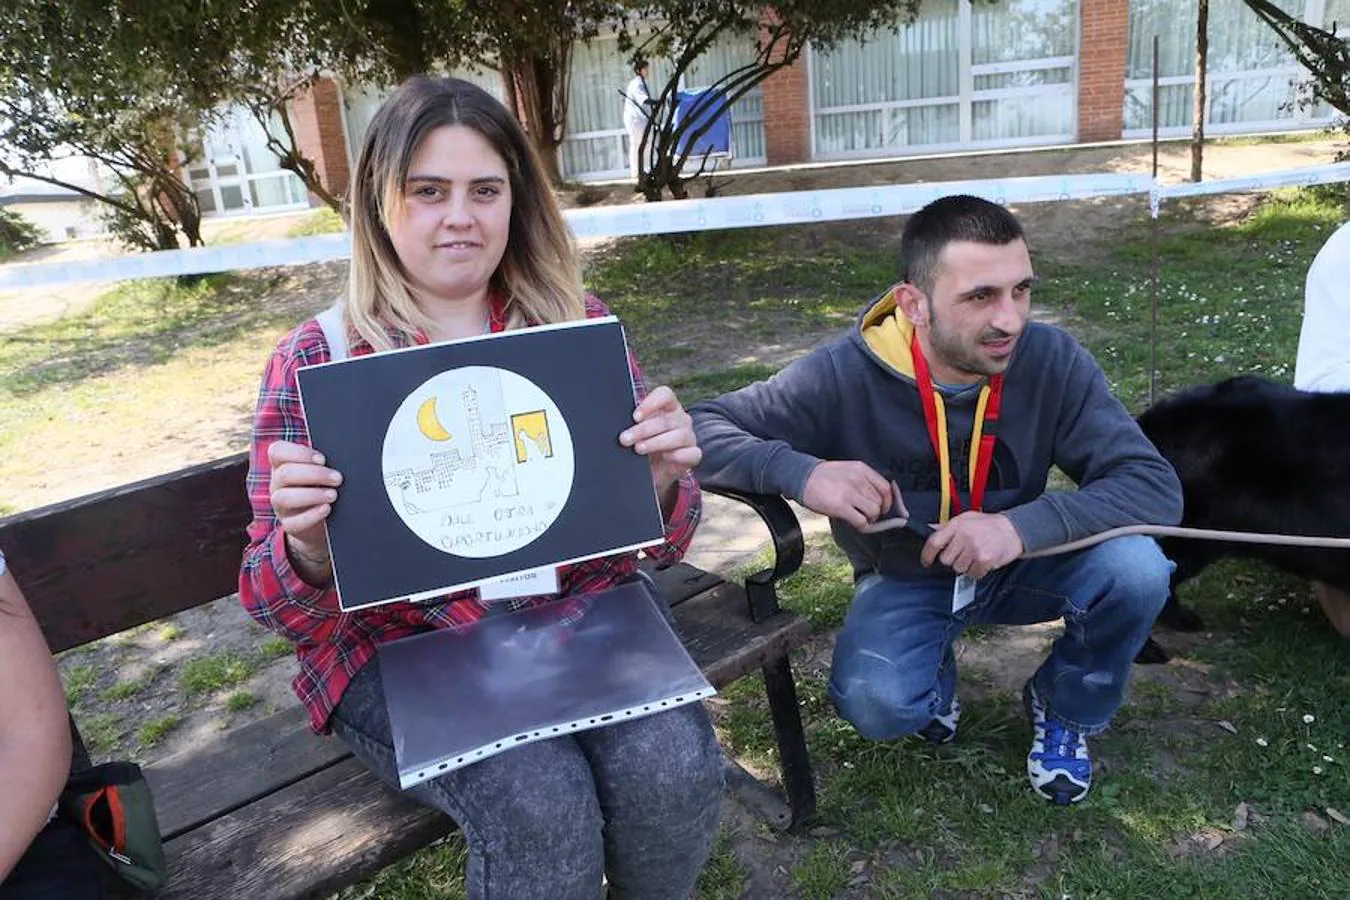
(264, 53)
(69, 88)
(1321, 52)
(16, 233)
(258, 55)
(684, 30)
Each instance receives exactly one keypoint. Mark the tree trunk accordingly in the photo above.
(548, 157)
(180, 210)
(535, 80)
(1201, 75)
(287, 151)
(509, 89)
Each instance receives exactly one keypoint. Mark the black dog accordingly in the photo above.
(1254, 455)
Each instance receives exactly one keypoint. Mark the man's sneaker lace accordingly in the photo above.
(942, 730)
(1058, 763)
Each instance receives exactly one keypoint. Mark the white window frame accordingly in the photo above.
(1302, 118)
(964, 101)
(242, 179)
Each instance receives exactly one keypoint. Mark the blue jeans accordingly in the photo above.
(894, 669)
(638, 801)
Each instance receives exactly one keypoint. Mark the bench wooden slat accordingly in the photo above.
(716, 629)
(306, 840)
(196, 786)
(109, 561)
(682, 581)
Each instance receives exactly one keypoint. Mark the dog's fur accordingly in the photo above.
(1254, 455)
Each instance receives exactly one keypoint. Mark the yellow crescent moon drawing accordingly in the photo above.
(427, 422)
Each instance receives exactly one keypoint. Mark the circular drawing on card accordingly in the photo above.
(478, 461)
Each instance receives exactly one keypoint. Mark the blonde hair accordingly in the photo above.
(539, 275)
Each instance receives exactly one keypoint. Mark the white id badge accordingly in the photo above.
(963, 593)
(529, 583)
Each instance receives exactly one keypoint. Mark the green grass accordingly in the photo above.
(966, 822)
(123, 690)
(436, 873)
(153, 732)
(321, 221)
(240, 701)
(169, 632)
(692, 388)
(1230, 300)
(214, 672)
(824, 872)
(723, 878)
(78, 679)
(83, 382)
(136, 323)
(102, 732)
(758, 284)
(275, 647)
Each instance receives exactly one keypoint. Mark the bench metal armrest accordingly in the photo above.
(788, 548)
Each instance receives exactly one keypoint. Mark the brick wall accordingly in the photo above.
(1101, 69)
(317, 118)
(787, 110)
(787, 116)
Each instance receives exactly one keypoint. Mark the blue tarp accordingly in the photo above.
(717, 139)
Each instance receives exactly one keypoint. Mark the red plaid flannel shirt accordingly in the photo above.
(332, 645)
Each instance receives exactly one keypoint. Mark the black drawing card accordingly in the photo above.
(468, 460)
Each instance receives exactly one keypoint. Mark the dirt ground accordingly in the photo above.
(149, 655)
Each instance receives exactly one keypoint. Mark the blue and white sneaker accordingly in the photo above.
(942, 730)
(1058, 763)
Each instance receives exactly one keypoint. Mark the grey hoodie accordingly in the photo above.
(856, 399)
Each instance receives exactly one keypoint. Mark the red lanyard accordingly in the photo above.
(983, 436)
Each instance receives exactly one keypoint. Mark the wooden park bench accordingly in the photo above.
(271, 810)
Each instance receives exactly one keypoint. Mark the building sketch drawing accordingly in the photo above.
(478, 465)
(531, 430)
(478, 461)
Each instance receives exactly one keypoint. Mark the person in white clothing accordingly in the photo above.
(1323, 362)
(637, 110)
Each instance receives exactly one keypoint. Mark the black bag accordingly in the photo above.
(111, 803)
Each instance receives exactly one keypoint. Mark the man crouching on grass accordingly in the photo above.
(946, 400)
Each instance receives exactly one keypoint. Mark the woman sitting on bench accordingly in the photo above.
(42, 856)
(456, 233)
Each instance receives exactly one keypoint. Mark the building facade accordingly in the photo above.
(964, 76)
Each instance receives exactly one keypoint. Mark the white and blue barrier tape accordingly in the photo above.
(748, 211)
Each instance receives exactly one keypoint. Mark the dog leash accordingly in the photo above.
(1207, 534)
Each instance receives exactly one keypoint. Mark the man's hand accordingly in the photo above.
(852, 491)
(974, 544)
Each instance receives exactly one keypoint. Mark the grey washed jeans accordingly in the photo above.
(638, 801)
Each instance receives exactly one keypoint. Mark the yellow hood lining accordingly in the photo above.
(888, 332)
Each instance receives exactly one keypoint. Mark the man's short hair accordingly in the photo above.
(638, 65)
(946, 220)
